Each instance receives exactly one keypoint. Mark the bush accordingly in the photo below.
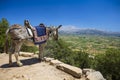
(3, 27)
(81, 59)
(32, 49)
(109, 64)
(58, 49)
(61, 51)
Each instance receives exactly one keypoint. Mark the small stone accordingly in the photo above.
(55, 62)
(47, 59)
(26, 54)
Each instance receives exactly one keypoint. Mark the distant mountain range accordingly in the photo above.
(88, 32)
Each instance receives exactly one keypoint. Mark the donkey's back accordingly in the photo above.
(17, 35)
(17, 32)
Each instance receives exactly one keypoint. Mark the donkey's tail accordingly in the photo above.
(6, 42)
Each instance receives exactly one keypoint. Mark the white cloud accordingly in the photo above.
(69, 27)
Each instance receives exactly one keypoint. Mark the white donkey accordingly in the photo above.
(19, 35)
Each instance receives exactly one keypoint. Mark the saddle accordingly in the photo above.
(38, 34)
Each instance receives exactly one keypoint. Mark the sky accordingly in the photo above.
(95, 14)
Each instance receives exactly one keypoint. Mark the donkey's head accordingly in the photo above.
(27, 24)
(54, 32)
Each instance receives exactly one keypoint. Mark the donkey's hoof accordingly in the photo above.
(10, 64)
(40, 59)
(19, 64)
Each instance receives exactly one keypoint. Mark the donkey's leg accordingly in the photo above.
(17, 59)
(40, 55)
(11, 51)
(10, 59)
(41, 48)
(17, 49)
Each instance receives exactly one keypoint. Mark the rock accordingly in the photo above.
(26, 54)
(96, 75)
(47, 59)
(55, 62)
(35, 56)
(83, 78)
(86, 71)
(74, 71)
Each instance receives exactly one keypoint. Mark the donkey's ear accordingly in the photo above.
(26, 22)
(59, 26)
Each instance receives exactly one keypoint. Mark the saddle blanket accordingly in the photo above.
(39, 35)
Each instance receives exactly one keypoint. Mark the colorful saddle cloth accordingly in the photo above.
(39, 35)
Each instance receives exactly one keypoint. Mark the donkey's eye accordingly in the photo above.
(50, 31)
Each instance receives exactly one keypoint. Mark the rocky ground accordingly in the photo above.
(49, 69)
(32, 69)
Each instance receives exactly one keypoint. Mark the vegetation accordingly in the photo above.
(60, 50)
(32, 49)
(91, 44)
(3, 27)
(108, 63)
(101, 53)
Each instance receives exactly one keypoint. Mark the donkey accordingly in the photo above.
(19, 35)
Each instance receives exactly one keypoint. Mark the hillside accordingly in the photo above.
(88, 32)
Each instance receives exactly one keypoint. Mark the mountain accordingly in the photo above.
(88, 32)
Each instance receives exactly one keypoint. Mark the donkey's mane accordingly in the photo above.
(16, 26)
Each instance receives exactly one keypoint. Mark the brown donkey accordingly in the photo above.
(19, 35)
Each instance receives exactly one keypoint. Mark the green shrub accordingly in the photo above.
(81, 59)
(60, 50)
(32, 49)
(109, 64)
(3, 27)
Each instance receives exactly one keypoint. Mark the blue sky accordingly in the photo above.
(95, 14)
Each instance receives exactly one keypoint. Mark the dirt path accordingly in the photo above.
(32, 70)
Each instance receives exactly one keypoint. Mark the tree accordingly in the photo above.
(3, 27)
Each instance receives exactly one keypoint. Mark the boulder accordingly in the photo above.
(74, 71)
(96, 75)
